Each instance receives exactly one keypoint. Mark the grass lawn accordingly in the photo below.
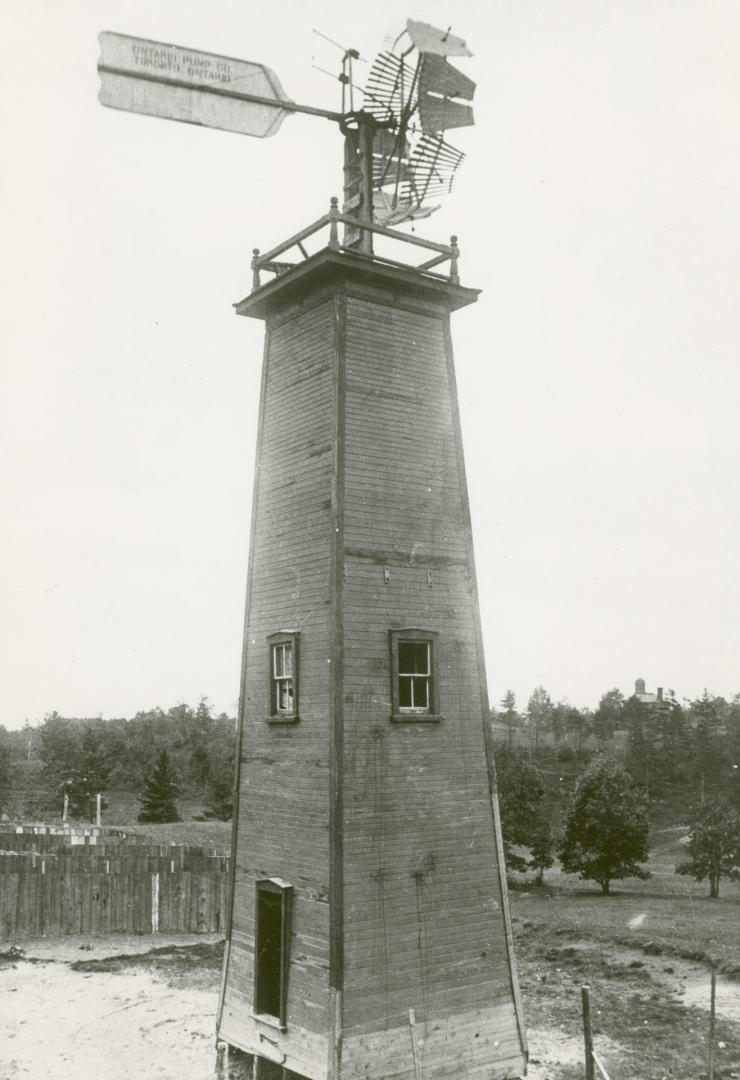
(670, 913)
(690, 927)
(641, 950)
(206, 834)
(123, 808)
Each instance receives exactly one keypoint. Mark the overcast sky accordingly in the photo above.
(597, 209)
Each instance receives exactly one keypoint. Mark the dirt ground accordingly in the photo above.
(556, 1054)
(110, 1009)
(124, 1008)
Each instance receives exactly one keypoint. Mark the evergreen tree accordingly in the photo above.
(714, 845)
(557, 721)
(608, 714)
(732, 786)
(640, 741)
(88, 776)
(708, 748)
(541, 848)
(158, 798)
(520, 796)
(606, 829)
(509, 715)
(5, 770)
(219, 787)
(219, 799)
(579, 725)
(672, 762)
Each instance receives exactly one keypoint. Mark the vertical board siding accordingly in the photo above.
(54, 904)
(50, 885)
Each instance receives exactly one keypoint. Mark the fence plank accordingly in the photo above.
(88, 889)
(8, 905)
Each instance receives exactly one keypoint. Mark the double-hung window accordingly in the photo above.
(414, 675)
(414, 689)
(283, 649)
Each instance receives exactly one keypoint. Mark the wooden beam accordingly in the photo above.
(588, 1043)
(415, 1045)
(394, 234)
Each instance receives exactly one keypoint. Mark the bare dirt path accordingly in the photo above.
(138, 1008)
(143, 1018)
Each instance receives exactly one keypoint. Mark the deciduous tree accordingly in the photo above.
(541, 848)
(606, 828)
(539, 712)
(713, 845)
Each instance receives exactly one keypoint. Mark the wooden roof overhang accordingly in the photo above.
(340, 268)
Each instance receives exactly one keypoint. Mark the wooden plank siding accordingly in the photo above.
(283, 819)
(423, 912)
(385, 829)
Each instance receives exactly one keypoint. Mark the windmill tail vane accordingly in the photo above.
(395, 156)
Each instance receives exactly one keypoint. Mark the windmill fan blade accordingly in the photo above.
(389, 211)
(438, 114)
(439, 83)
(390, 158)
(389, 86)
(438, 76)
(432, 168)
(428, 39)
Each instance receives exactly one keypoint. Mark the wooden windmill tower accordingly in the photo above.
(369, 932)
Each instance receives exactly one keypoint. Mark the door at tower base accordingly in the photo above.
(369, 933)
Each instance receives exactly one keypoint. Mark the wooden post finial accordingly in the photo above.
(255, 269)
(333, 215)
(454, 256)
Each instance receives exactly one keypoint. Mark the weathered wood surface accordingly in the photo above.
(360, 472)
(284, 775)
(48, 888)
(52, 904)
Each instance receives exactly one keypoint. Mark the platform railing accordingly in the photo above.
(271, 262)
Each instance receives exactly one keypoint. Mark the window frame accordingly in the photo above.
(408, 714)
(277, 715)
(285, 891)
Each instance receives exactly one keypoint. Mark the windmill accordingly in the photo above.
(414, 95)
(396, 158)
(367, 923)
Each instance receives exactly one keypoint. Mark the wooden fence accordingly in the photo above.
(51, 888)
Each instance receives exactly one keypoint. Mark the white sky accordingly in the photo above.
(598, 211)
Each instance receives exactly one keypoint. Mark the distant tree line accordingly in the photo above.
(668, 748)
(571, 787)
(83, 757)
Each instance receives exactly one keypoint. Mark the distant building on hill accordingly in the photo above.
(646, 698)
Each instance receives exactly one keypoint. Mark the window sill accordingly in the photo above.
(416, 718)
(292, 719)
(269, 1020)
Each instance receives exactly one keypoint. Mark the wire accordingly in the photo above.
(337, 45)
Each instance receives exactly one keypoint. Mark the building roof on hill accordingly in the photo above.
(644, 697)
